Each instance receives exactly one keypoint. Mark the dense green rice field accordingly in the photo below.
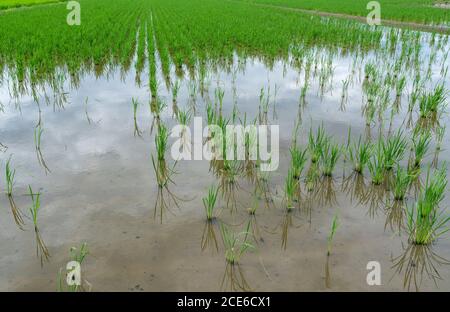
(420, 11)
(6, 4)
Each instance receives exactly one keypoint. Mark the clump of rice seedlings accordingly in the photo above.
(41, 249)
(183, 117)
(135, 104)
(431, 103)
(421, 144)
(425, 220)
(330, 155)
(290, 188)
(235, 244)
(78, 255)
(157, 105)
(316, 143)
(298, 161)
(175, 90)
(393, 149)
(401, 183)
(377, 165)
(360, 154)
(312, 177)
(209, 202)
(334, 227)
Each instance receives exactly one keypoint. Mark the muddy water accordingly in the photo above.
(101, 190)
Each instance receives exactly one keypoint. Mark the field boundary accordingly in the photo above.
(362, 19)
(30, 6)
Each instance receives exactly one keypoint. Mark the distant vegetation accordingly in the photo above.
(7, 4)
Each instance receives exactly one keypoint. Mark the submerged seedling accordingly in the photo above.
(298, 161)
(421, 144)
(10, 175)
(393, 149)
(290, 188)
(330, 155)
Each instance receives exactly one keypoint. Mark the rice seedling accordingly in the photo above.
(298, 161)
(393, 149)
(421, 143)
(37, 143)
(433, 102)
(426, 222)
(209, 238)
(360, 154)
(401, 183)
(42, 251)
(330, 155)
(10, 175)
(236, 245)
(334, 227)
(377, 165)
(290, 188)
(209, 202)
(135, 104)
(316, 143)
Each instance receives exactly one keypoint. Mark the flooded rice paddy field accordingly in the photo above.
(87, 150)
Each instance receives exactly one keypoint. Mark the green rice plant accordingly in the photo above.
(298, 161)
(42, 251)
(333, 229)
(401, 183)
(235, 244)
(433, 102)
(330, 155)
(183, 117)
(421, 143)
(360, 154)
(10, 175)
(175, 90)
(316, 143)
(290, 187)
(393, 149)
(425, 221)
(210, 113)
(209, 202)
(161, 139)
(377, 165)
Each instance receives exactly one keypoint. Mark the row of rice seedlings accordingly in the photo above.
(42, 251)
(426, 222)
(78, 255)
(16, 212)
